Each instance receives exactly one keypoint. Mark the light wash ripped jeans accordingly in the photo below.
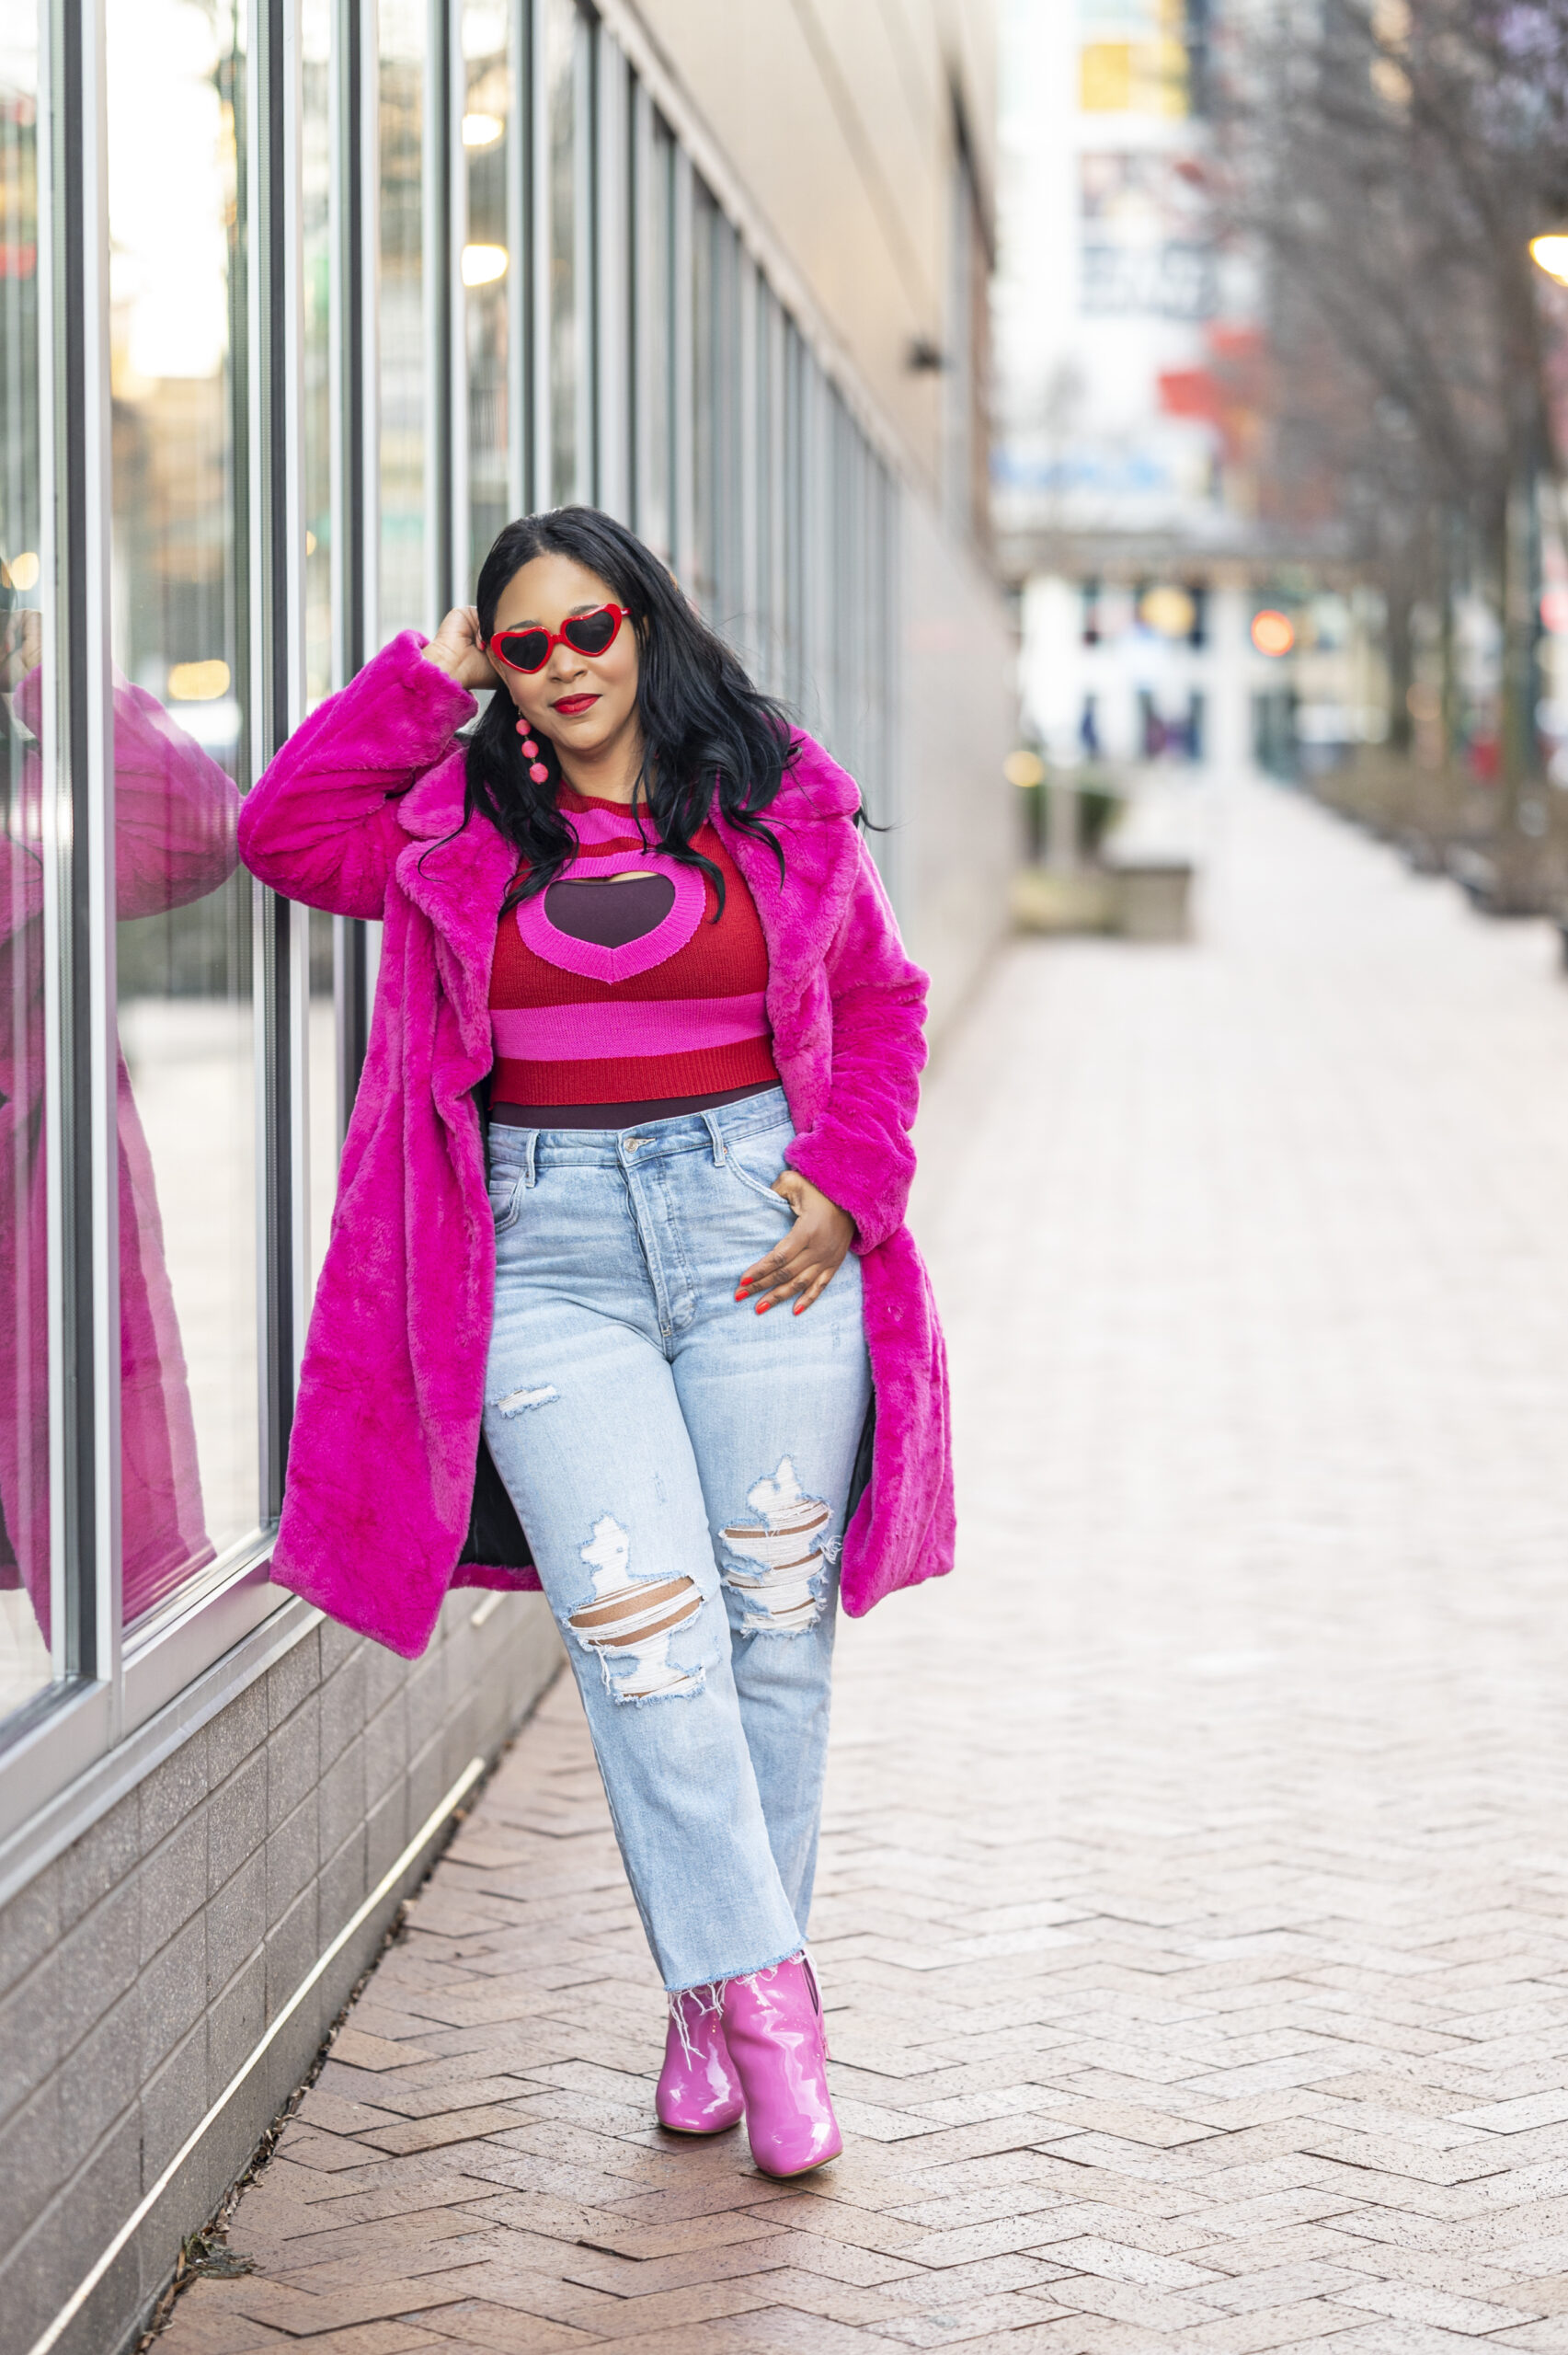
(681, 1466)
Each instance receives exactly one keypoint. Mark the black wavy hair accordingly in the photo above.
(707, 732)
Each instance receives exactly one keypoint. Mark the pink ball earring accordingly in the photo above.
(538, 772)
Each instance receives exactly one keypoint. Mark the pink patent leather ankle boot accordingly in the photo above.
(698, 2090)
(773, 2026)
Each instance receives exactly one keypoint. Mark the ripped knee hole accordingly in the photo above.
(786, 1553)
(630, 1621)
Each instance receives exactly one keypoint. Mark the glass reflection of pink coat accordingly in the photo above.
(175, 815)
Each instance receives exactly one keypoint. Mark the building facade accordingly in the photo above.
(300, 300)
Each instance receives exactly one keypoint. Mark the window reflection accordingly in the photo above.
(25, 1667)
(486, 267)
(187, 1091)
(404, 598)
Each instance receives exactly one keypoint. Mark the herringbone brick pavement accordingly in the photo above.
(1192, 1909)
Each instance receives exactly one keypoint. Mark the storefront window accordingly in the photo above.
(405, 598)
(667, 377)
(715, 297)
(770, 489)
(487, 270)
(791, 617)
(847, 683)
(316, 337)
(187, 1143)
(653, 217)
(569, 80)
(25, 1603)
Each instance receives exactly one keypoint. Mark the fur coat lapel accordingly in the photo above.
(456, 875)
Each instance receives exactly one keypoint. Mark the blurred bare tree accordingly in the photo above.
(1391, 159)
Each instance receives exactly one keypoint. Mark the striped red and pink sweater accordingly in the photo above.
(628, 997)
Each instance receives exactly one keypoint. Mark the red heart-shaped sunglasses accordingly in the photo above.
(530, 649)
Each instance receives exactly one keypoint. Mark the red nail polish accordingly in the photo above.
(764, 1306)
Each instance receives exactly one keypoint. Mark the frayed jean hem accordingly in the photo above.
(721, 1978)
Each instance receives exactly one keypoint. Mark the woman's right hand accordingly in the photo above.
(21, 647)
(455, 648)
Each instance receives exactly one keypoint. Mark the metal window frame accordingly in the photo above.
(750, 458)
(453, 156)
(356, 475)
(274, 105)
(441, 343)
(773, 453)
(84, 1203)
(729, 264)
(47, 1744)
(536, 99)
(579, 25)
(586, 248)
(521, 276)
(356, 380)
(699, 575)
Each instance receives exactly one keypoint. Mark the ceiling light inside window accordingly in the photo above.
(482, 265)
(198, 682)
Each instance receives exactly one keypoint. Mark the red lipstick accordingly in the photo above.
(569, 706)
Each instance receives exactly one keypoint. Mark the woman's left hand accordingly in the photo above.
(811, 1253)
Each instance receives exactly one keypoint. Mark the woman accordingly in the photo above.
(663, 1279)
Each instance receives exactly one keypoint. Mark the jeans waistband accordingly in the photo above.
(708, 1133)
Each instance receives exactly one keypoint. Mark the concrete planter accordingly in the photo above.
(1050, 899)
(1140, 899)
(1154, 899)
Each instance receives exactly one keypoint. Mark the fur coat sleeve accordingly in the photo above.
(321, 824)
(857, 1150)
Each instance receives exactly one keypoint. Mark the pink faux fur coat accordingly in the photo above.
(360, 813)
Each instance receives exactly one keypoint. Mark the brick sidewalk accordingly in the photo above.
(1191, 1913)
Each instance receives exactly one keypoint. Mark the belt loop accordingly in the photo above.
(528, 1172)
(721, 1150)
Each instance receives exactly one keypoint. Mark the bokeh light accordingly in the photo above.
(1273, 633)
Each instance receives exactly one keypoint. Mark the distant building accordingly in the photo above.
(1130, 359)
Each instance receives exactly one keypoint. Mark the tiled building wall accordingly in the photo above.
(139, 1969)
